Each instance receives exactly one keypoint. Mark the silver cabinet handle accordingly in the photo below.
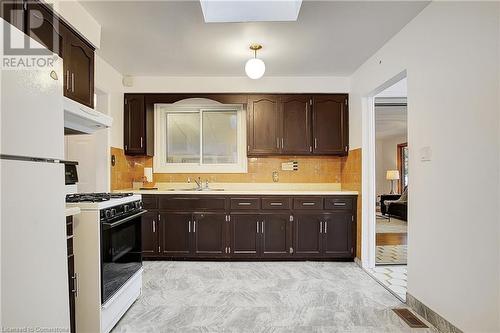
(67, 79)
(75, 278)
(154, 226)
(72, 82)
(141, 142)
(339, 203)
(278, 143)
(276, 204)
(244, 203)
(308, 204)
(326, 225)
(320, 227)
(257, 226)
(189, 226)
(194, 226)
(229, 249)
(282, 145)
(315, 143)
(262, 227)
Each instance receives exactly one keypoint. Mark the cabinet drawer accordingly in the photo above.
(308, 203)
(245, 203)
(336, 203)
(192, 204)
(150, 201)
(276, 203)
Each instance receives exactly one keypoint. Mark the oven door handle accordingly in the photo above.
(128, 218)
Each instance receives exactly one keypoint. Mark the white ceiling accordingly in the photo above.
(166, 38)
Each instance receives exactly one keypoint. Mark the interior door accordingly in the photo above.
(80, 59)
(134, 124)
(308, 236)
(175, 234)
(338, 230)
(245, 235)
(276, 235)
(149, 232)
(209, 234)
(296, 122)
(263, 125)
(330, 124)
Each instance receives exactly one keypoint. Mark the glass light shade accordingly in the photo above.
(255, 68)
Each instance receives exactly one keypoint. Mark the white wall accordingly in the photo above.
(450, 53)
(386, 155)
(75, 15)
(221, 84)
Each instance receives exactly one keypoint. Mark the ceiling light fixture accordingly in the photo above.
(255, 67)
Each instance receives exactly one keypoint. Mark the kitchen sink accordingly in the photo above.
(195, 189)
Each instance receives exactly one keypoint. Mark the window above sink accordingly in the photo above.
(201, 137)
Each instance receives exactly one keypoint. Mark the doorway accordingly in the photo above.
(391, 177)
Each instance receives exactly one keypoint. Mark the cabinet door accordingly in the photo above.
(134, 124)
(308, 236)
(245, 235)
(330, 125)
(263, 125)
(79, 57)
(149, 232)
(338, 233)
(13, 12)
(44, 27)
(276, 235)
(209, 234)
(72, 292)
(175, 234)
(296, 122)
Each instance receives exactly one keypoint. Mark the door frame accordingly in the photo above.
(368, 223)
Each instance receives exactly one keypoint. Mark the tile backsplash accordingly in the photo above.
(128, 169)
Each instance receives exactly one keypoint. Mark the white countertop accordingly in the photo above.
(248, 189)
(70, 211)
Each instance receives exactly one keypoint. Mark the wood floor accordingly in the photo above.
(392, 239)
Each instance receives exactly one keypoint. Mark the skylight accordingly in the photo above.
(220, 11)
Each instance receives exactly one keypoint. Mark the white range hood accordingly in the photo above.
(80, 119)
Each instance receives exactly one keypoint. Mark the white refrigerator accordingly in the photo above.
(34, 276)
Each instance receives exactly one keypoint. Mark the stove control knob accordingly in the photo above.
(107, 213)
(137, 205)
(125, 208)
(113, 212)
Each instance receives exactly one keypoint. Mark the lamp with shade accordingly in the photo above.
(392, 175)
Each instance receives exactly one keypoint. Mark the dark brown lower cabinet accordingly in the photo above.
(220, 228)
(276, 235)
(209, 234)
(149, 233)
(244, 231)
(308, 238)
(176, 234)
(71, 274)
(337, 234)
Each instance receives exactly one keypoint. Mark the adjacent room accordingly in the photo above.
(249, 166)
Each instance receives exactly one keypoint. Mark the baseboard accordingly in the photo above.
(441, 324)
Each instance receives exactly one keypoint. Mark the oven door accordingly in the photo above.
(121, 252)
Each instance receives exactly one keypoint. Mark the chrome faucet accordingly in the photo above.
(199, 184)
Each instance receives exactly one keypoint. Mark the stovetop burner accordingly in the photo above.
(95, 197)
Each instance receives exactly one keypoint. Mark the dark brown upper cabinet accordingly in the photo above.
(44, 27)
(138, 128)
(78, 69)
(296, 125)
(264, 128)
(330, 125)
(38, 21)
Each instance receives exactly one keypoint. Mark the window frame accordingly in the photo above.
(401, 165)
(160, 164)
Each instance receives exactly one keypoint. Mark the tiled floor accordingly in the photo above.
(394, 277)
(261, 297)
(391, 254)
